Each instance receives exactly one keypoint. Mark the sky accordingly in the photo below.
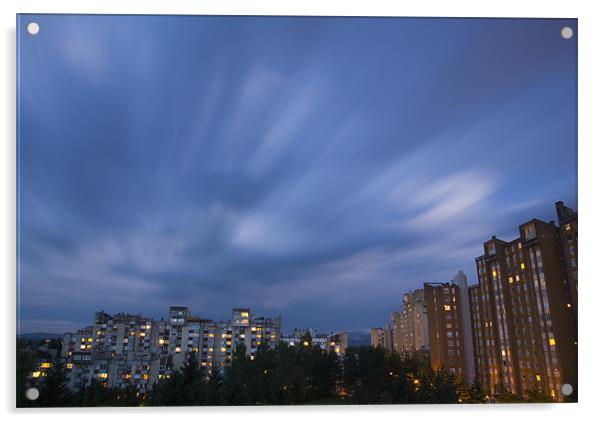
(314, 168)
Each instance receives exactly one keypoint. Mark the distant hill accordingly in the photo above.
(40, 336)
(359, 338)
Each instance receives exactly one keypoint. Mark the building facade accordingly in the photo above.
(335, 342)
(524, 328)
(377, 337)
(449, 329)
(414, 337)
(124, 349)
(567, 221)
(393, 333)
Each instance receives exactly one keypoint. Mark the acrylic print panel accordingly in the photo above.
(220, 210)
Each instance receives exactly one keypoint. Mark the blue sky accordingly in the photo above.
(316, 168)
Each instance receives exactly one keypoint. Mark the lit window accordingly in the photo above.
(510, 280)
(306, 343)
(552, 342)
(69, 365)
(522, 265)
(242, 336)
(178, 350)
(517, 277)
(494, 273)
(161, 341)
(45, 365)
(36, 374)
(253, 328)
(568, 305)
(223, 349)
(538, 377)
(567, 227)
(447, 307)
(142, 334)
(145, 376)
(103, 375)
(244, 314)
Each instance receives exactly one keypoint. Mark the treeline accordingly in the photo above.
(284, 375)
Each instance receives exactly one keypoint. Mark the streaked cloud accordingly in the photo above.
(312, 167)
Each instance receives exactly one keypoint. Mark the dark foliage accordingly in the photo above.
(53, 389)
(25, 365)
(284, 375)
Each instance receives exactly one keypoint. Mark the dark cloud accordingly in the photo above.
(311, 167)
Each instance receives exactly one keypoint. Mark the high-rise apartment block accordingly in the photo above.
(393, 333)
(406, 332)
(414, 337)
(377, 337)
(449, 330)
(524, 328)
(124, 349)
(567, 221)
(516, 329)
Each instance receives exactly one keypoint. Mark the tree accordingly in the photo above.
(183, 388)
(25, 365)
(53, 389)
(505, 396)
(477, 395)
(537, 396)
(212, 390)
(94, 395)
(236, 384)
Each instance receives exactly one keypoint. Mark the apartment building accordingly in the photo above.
(336, 342)
(414, 338)
(125, 349)
(449, 330)
(524, 328)
(393, 333)
(377, 337)
(567, 221)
